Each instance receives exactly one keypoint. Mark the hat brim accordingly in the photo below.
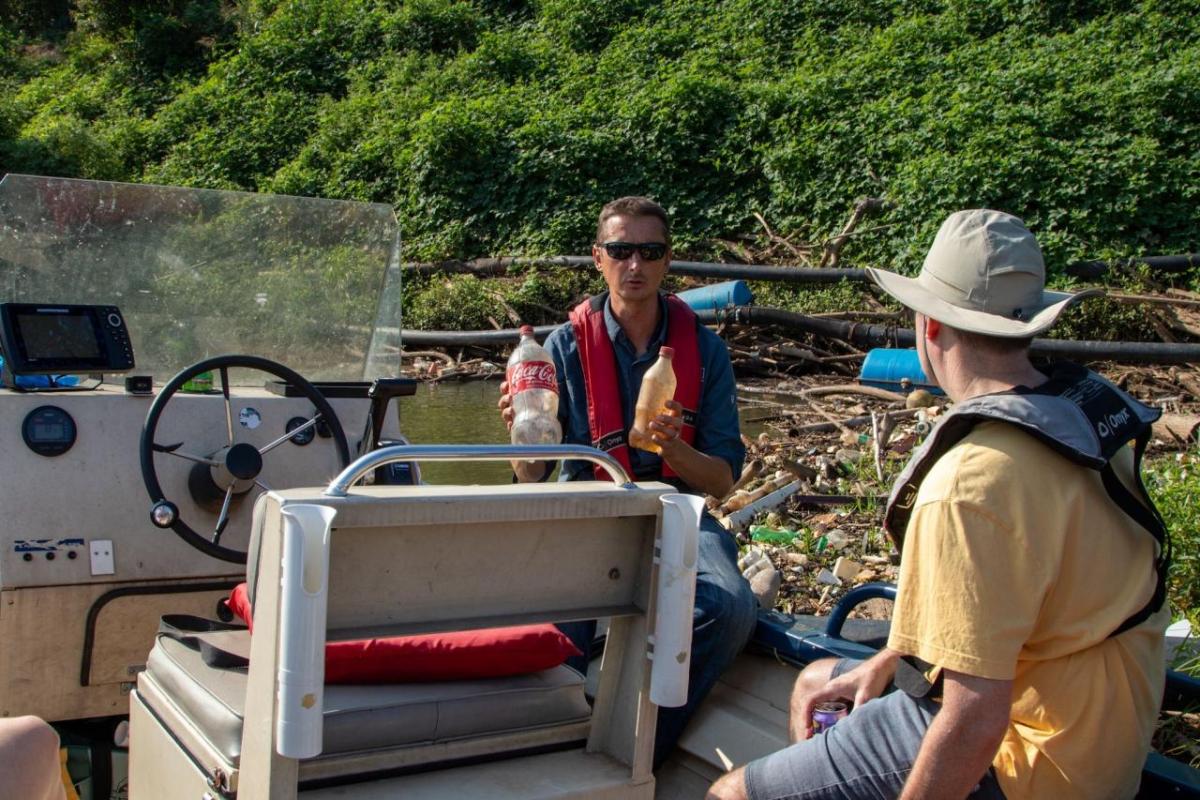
(915, 296)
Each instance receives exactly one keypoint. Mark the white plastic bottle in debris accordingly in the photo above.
(533, 385)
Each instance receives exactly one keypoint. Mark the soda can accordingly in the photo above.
(826, 715)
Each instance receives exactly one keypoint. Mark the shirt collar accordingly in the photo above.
(617, 335)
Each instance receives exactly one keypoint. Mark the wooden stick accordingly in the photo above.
(817, 407)
(868, 391)
(853, 422)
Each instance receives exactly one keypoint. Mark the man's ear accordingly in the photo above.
(932, 328)
(596, 255)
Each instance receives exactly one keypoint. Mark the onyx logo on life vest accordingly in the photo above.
(1111, 423)
(532, 375)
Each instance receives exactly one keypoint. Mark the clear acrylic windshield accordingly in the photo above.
(313, 284)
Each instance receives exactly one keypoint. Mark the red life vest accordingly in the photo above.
(606, 420)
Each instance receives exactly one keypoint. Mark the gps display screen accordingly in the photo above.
(58, 336)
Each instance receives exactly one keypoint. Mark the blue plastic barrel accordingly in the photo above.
(717, 295)
(897, 370)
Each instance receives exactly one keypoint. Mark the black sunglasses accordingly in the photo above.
(651, 251)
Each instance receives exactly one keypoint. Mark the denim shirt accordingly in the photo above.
(718, 432)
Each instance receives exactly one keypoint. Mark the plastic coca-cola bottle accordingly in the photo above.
(534, 389)
(658, 386)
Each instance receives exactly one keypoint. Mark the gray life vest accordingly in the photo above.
(1076, 413)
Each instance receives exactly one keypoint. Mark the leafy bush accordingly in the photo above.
(1174, 483)
(500, 126)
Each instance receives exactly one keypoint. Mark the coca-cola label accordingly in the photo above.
(531, 375)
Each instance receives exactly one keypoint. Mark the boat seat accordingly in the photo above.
(395, 566)
(367, 717)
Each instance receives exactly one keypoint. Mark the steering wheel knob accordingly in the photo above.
(164, 513)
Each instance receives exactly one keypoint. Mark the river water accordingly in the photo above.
(465, 413)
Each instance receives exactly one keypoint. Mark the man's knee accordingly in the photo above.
(815, 675)
(35, 739)
(730, 786)
(730, 606)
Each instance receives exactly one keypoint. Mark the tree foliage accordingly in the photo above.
(500, 126)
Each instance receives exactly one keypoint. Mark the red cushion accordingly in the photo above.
(457, 655)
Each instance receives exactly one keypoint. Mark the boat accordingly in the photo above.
(146, 478)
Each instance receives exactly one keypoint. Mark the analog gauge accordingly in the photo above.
(303, 437)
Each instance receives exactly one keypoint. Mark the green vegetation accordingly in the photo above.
(499, 126)
(1174, 482)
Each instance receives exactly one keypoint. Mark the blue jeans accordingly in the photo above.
(723, 621)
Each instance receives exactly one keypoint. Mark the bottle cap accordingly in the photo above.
(527, 330)
(666, 351)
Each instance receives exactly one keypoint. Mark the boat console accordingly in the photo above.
(107, 292)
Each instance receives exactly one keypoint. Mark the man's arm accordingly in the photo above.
(708, 474)
(962, 739)
(714, 459)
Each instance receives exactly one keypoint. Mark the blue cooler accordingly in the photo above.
(895, 370)
(717, 295)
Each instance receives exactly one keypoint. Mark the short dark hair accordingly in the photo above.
(996, 345)
(633, 206)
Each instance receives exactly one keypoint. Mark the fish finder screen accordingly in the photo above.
(58, 336)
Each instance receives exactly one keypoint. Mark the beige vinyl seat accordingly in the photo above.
(409, 560)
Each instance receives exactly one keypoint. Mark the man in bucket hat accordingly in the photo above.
(1025, 657)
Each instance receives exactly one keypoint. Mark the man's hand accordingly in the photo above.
(704, 473)
(666, 428)
(505, 405)
(860, 685)
(526, 471)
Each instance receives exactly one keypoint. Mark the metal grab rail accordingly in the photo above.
(340, 485)
(859, 594)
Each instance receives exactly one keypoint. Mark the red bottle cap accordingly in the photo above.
(527, 330)
(666, 351)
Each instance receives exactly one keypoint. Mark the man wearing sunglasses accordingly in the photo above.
(600, 357)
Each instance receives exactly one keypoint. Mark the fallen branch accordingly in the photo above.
(449, 359)
(833, 246)
(852, 422)
(868, 391)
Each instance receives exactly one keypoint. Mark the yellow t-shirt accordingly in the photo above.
(1017, 566)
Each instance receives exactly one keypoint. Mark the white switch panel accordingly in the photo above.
(102, 557)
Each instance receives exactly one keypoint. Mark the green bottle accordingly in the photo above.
(199, 384)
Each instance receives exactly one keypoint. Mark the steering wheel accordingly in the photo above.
(235, 467)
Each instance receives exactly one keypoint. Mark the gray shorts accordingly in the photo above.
(866, 755)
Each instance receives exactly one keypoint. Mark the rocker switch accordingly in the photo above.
(102, 557)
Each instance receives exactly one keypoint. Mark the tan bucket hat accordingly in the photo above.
(984, 274)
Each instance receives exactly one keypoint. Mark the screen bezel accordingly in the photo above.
(16, 353)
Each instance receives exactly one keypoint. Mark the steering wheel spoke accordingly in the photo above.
(223, 519)
(228, 405)
(262, 451)
(173, 450)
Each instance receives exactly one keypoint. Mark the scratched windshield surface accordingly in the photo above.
(313, 284)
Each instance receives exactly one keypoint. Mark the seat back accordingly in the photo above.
(408, 560)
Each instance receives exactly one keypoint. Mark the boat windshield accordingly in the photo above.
(313, 284)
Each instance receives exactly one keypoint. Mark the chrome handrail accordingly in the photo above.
(340, 485)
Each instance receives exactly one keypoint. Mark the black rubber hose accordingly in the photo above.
(883, 336)
(1090, 270)
(488, 267)
(854, 332)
